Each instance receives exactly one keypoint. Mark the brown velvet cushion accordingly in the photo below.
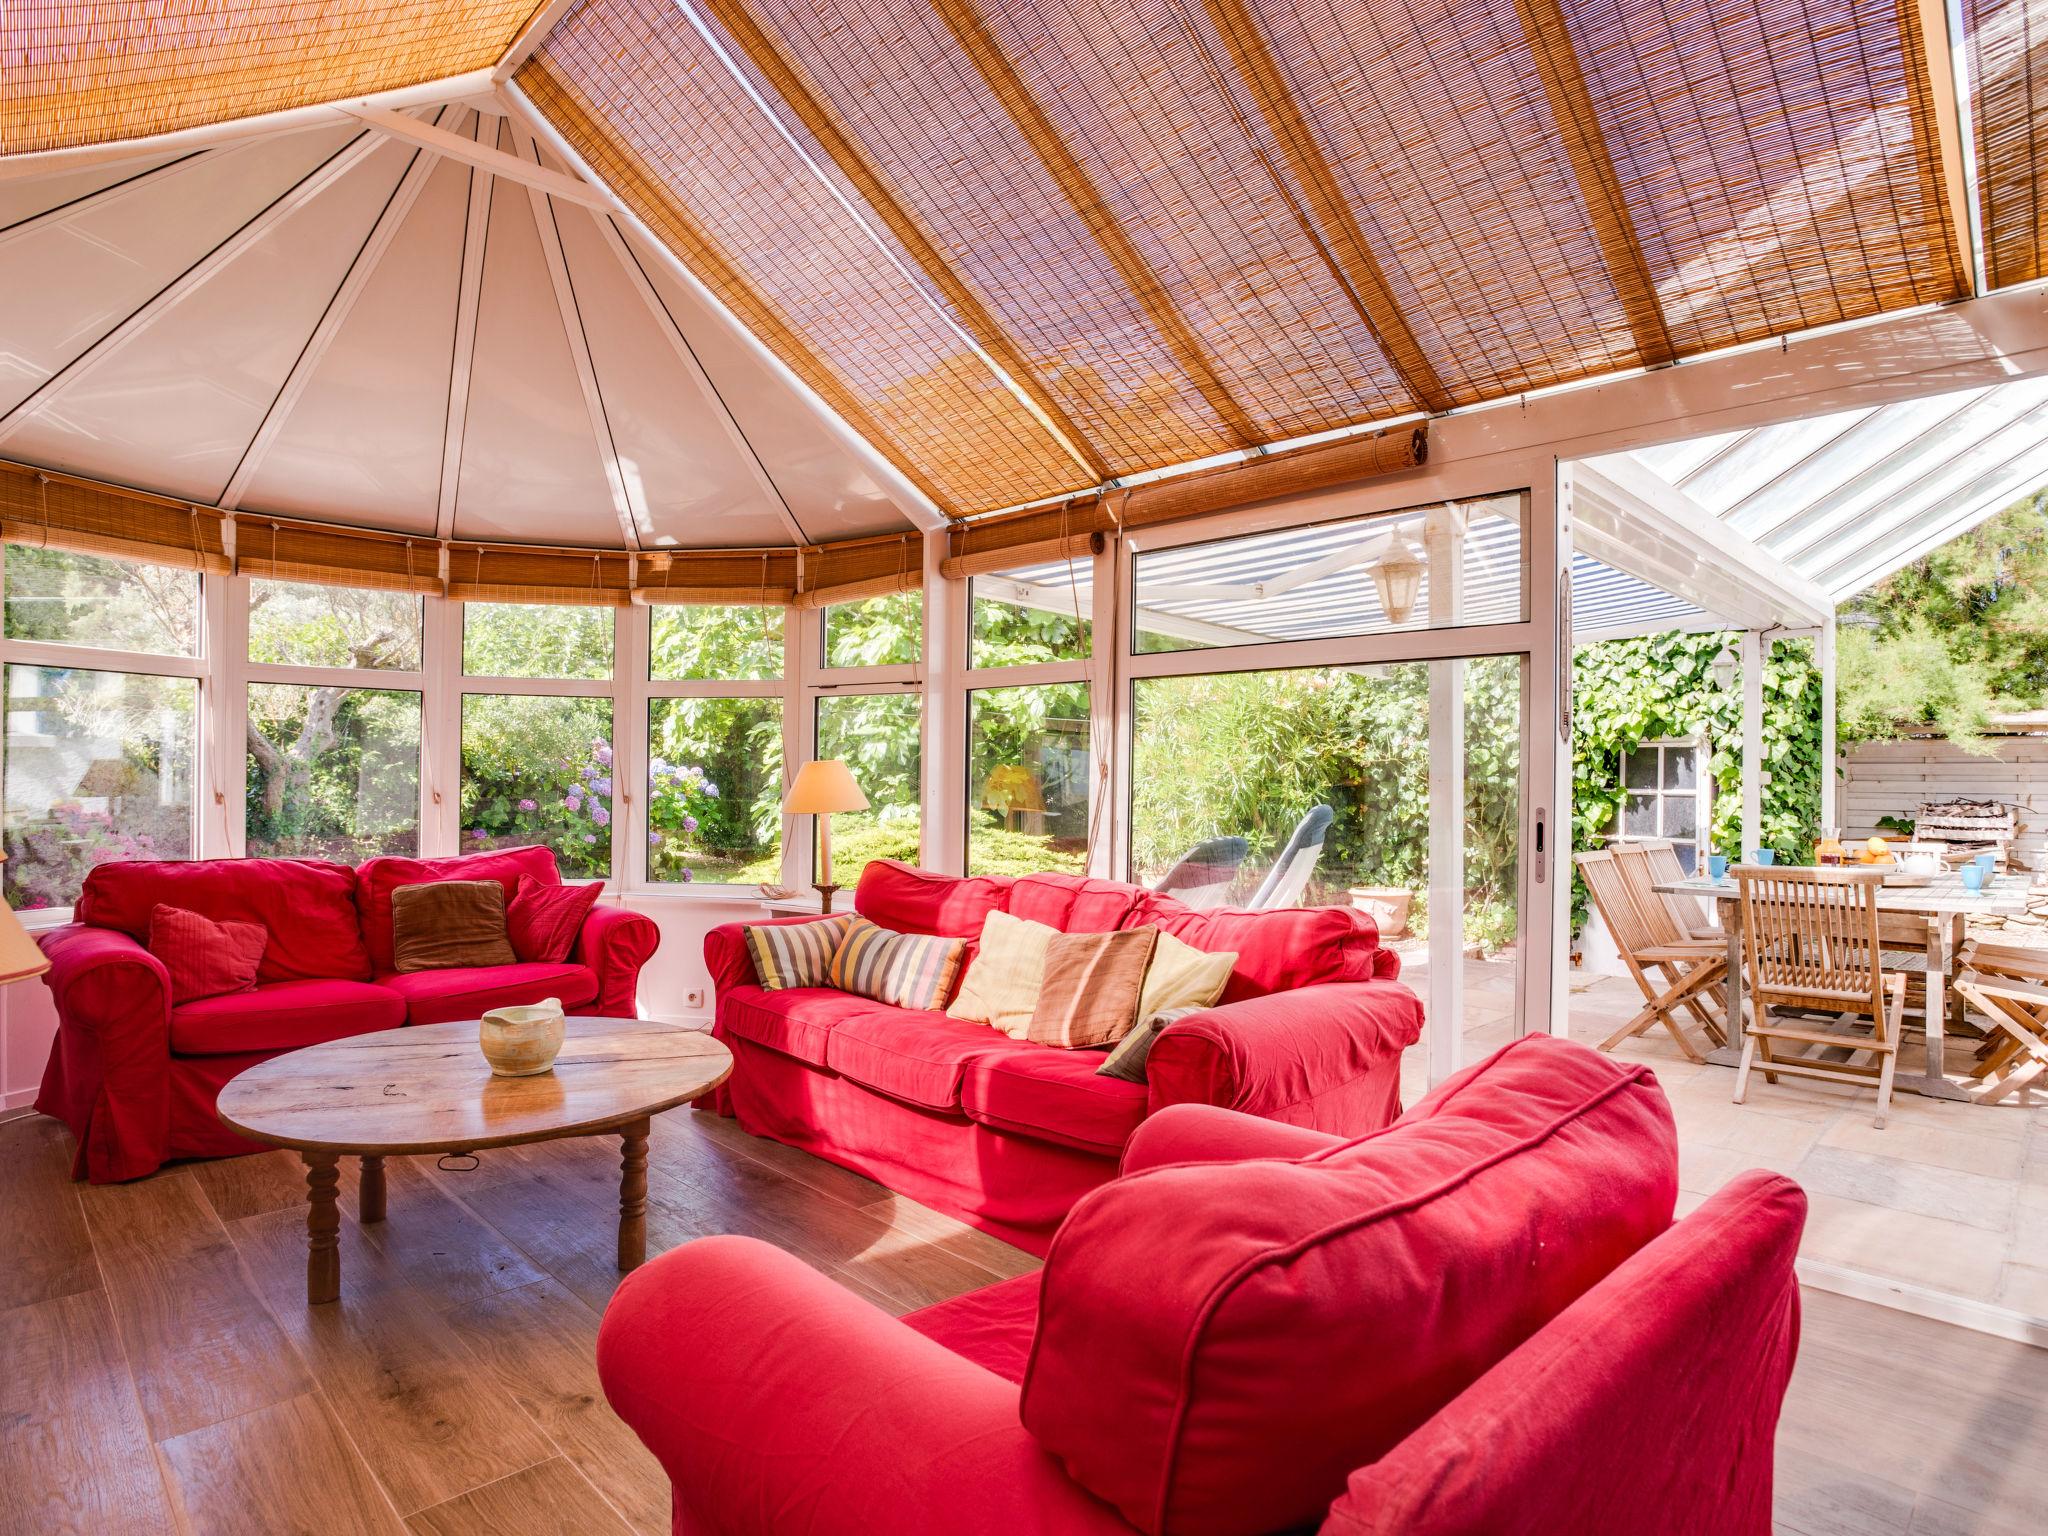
(1092, 985)
(442, 925)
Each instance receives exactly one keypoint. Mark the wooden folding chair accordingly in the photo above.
(1672, 971)
(2009, 984)
(1689, 912)
(1673, 920)
(1811, 939)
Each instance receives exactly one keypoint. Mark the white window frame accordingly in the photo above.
(1702, 793)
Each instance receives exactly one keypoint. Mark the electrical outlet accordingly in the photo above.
(694, 998)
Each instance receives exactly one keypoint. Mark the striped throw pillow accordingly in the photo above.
(796, 954)
(910, 970)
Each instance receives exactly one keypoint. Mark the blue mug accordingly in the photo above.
(1974, 876)
(1763, 855)
(1988, 862)
(1717, 866)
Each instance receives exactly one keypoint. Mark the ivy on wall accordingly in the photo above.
(1627, 692)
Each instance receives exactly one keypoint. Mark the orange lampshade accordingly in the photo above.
(20, 957)
(823, 787)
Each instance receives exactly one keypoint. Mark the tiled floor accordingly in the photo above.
(1949, 1197)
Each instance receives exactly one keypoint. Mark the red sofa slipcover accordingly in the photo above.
(1478, 1322)
(136, 1078)
(1008, 1135)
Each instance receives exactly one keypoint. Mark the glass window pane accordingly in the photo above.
(1027, 768)
(1640, 816)
(878, 735)
(714, 792)
(539, 770)
(1032, 614)
(536, 640)
(99, 767)
(878, 632)
(115, 605)
(1362, 576)
(1641, 769)
(689, 642)
(1681, 816)
(332, 773)
(1679, 768)
(298, 624)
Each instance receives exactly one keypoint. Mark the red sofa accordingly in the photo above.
(1478, 1322)
(136, 1078)
(1008, 1135)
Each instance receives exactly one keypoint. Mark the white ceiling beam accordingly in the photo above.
(336, 314)
(634, 521)
(429, 93)
(295, 197)
(530, 37)
(475, 236)
(708, 396)
(105, 197)
(915, 505)
(1948, 92)
(1631, 519)
(486, 157)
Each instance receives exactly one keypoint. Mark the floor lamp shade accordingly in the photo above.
(20, 956)
(821, 787)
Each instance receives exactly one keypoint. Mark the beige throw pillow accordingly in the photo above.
(1183, 976)
(1001, 989)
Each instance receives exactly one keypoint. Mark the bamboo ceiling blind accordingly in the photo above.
(1034, 244)
(2008, 66)
(89, 71)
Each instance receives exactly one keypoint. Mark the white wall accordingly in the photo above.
(1891, 778)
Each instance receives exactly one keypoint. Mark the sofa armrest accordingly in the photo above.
(1203, 1133)
(776, 1399)
(615, 943)
(725, 951)
(113, 1046)
(1327, 1056)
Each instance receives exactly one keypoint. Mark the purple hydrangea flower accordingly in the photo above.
(590, 837)
(711, 790)
(688, 876)
(603, 753)
(601, 816)
(601, 786)
(573, 804)
(656, 767)
(655, 838)
(478, 833)
(689, 823)
(528, 805)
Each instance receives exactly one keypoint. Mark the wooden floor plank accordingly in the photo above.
(411, 1397)
(279, 1471)
(444, 1249)
(44, 1249)
(539, 1344)
(74, 1451)
(551, 1499)
(200, 1344)
(266, 1181)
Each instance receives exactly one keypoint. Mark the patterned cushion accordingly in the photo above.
(205, 958)
(795, 954)
(907, 970)
(544, 920)
(1091, 989)
(1127, 1061)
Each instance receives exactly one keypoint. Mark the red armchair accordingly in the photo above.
(1480, 1322)
(136, 1077)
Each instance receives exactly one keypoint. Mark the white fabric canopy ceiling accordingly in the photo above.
(338, 324)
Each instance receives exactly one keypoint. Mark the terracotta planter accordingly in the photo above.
(1387, 905)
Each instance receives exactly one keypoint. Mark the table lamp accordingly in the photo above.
(20, 956)
(820, 788)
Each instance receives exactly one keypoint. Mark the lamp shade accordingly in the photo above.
(20, 956)
(822, 787)
(1397, 577)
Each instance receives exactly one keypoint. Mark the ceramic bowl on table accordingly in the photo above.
(522, 1041)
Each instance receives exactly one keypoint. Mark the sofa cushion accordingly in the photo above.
(1073, 903)
(999, 986)
(1428, 1250)
(908, 970)
(306, 906)
(378, 878)
(435, 997)
(283, 1016)
(910, 900)
(796, 1021)
(1091, 988)
(1277, 951)
(204, 958)
(918, 1057)
(439, 925)
(544, 920)
(1052, 1095)
(991, 1326)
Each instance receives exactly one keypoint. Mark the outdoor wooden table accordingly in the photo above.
(1943, 898)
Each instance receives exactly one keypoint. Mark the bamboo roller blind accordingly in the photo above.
(2008, 67)
(1045, 238)
(76, 72)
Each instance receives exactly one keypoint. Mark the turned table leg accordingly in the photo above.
(370, 1192)
(633, 1195)
(323, 1227)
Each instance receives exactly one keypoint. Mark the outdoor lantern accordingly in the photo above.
(820, 788)
(1726, 665)
(1397, 577)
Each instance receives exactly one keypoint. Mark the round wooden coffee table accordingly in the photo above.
(427, 1089)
